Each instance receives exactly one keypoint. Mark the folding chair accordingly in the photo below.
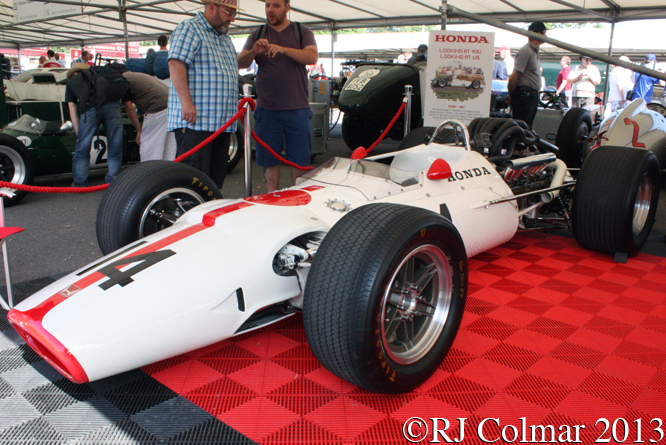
(4, 233)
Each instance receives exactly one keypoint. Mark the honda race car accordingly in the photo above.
(373, 252)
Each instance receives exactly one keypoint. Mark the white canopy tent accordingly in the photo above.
(104, 21)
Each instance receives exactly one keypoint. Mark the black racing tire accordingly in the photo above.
(358, 329)
(236, 148)
(358, 132)
(442, 82)
(615, 199)
(149, 197)
(16, 166)
(422, 135)
(572, 136)
(476, 84)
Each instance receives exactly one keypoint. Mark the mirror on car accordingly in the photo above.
(67, 126)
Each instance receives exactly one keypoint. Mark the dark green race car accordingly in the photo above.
(31, 147)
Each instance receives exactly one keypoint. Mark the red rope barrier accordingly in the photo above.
(208, 140)
(361, 152)
(97, 188)
(390, 125)
(38, 189)
(277, 156)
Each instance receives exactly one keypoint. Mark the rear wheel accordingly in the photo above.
(572, 135)
(16, 166)
(615, 199)
(385, 296)
(149, 197)
(476, 84)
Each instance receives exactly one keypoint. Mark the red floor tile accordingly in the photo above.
(551, 332)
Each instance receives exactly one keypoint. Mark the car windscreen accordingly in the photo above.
(29, 124)
(373, 179)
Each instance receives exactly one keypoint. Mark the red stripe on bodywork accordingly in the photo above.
(210, 217)
(284, 198)
(313, 188)
(29, 323)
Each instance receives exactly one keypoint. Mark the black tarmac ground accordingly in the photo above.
(60, 228)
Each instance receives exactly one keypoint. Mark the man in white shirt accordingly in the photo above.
(619, 82)
(584, 80)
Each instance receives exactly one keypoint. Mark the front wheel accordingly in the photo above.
(385, 296)
(149, 197)
(572, 135)
(615, 199)
(16, 166)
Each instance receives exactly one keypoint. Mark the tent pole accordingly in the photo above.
(573, 48)
(334, 37)
(608, 66)
(123, 16)
(444, 9)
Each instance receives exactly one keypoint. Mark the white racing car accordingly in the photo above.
(640, 125)
(373, 252)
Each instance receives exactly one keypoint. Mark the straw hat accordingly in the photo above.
(229, 3)
(76, 68)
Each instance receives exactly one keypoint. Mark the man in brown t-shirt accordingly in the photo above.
(150, 95)
(283, 111)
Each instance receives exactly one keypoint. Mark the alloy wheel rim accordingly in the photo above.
(166, 208)
(12, 167)
(416, 304)
(642, 204)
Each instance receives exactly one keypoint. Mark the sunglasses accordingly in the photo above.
(231, 13)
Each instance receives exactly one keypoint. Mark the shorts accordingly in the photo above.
(288, 128)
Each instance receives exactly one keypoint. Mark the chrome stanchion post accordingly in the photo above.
(10, 300)
(408, 109)
(247, 92)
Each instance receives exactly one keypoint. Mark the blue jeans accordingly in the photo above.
(109, 114)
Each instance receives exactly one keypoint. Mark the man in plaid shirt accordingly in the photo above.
(204, 86)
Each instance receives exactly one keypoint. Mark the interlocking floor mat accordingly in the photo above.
(558, 344)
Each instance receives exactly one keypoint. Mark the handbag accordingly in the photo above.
(630, 93)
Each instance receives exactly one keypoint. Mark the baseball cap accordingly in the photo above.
(423, 47)
(625, 59)
(650, 58)
(585, 57)
(503, 48)
(537, 27)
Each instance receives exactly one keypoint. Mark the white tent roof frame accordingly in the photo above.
(106, 21)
